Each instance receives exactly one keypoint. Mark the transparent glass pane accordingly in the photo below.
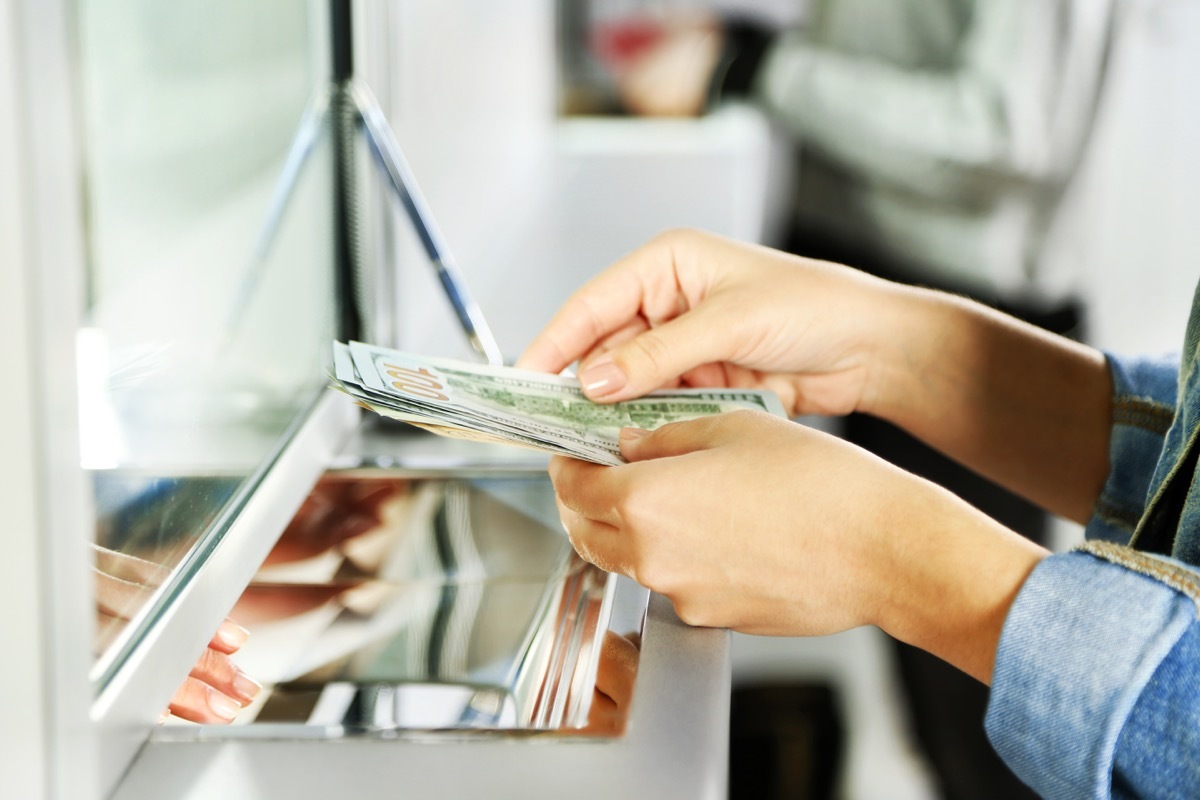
(392, 604)
(208, 329)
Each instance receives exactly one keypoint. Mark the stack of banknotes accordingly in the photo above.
(515, 406)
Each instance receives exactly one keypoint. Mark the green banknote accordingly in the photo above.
(549, 412)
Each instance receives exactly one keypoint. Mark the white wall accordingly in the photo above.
(1139, 193)
(472, 103)
(532, 205)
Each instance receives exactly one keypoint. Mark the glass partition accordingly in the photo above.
(208, 327)
(395, 605)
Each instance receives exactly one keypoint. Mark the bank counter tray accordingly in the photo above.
(423, 629)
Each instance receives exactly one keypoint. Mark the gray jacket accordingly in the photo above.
(942, 132)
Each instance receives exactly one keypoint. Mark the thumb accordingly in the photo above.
(653, 358)
(702, 433)
(673, 439)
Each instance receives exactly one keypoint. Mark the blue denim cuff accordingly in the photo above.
(1144, 396)
(1085, 634)
(1156, 755)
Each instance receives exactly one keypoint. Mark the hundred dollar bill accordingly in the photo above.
(549, 412)
(492, 429)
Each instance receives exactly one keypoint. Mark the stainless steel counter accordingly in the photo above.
(675, 746)
(507, 537)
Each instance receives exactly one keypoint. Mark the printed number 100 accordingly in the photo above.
(418, 382)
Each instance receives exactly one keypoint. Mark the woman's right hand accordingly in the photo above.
(695, 309)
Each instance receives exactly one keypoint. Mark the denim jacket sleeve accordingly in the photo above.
(1144, 397)
(1096, 688)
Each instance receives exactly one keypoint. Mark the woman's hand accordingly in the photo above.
(755, 523)
(1027, 409)
(691, 308)
(216, 689)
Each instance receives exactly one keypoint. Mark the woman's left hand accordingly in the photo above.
(755, 523)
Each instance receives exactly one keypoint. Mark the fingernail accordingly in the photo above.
(632, 434)
(232, 635)
(246, 687)
(222, 706)
(602, 378)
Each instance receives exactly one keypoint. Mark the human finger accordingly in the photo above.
(710, 375)
(617, 338)
(197, 701)
(596, 542)
(613, 692)
(680, 438)
(617, 668)
(656, 357)
(107, 628)
(272, 602)
(229, 637)
(118, 597)
(370, 495)
(602, 306)
(218, 671)
(585, 488)
(645, 283)
(128, 567)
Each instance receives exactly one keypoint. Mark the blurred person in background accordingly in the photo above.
(936, 141)
(936, 137)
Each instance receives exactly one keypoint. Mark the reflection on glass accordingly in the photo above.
(393, 605)
(190, 373)
(615, 674)
(143, 524)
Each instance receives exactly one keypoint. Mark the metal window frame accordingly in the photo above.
(79, 743)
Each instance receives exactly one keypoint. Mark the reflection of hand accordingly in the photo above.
(261, 603)
(697, 309)
(752, 522)
(615, 677)
(216, 689)
(337, 509)
(670, 76)
(123, 584)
